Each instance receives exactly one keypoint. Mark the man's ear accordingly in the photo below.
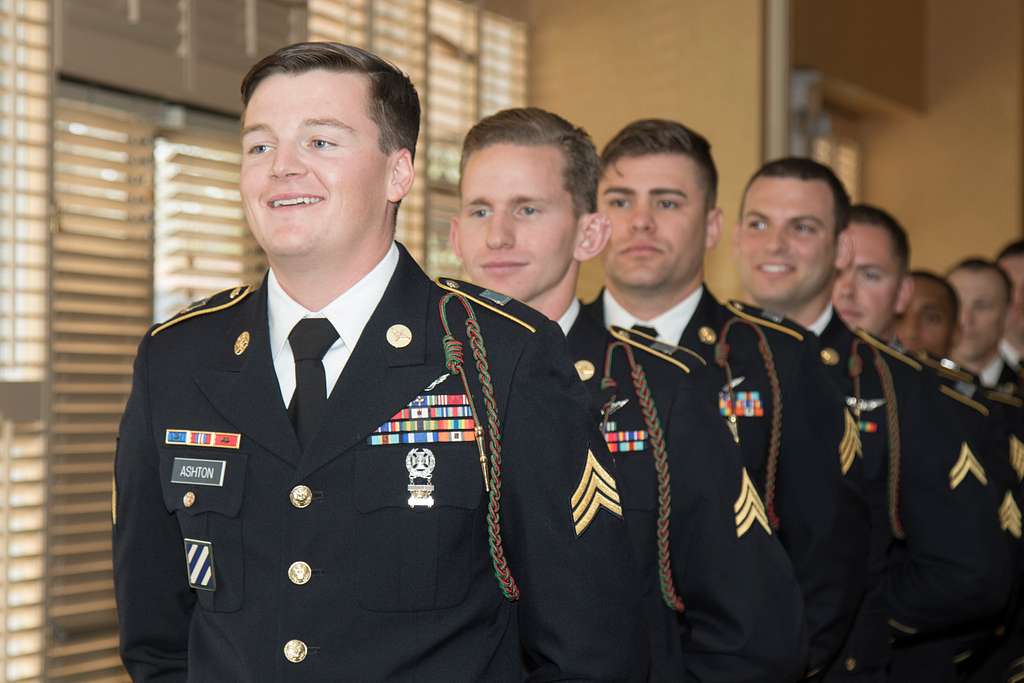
(402, 175)
(904, 294)
(712, 228)
(453, 237)
(844, 251)
(593, 231)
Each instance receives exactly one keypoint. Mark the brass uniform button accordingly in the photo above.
(850, 663)
(301, 496)
(585, 369)
(295, 651)
(829, 356)
(300, 573)
(707, 335)
(189, 499)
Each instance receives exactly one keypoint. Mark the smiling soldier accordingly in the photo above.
(351, 472)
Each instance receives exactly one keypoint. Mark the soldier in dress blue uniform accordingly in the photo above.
(938, 559)
(351, 472)
(720, 597)
(659, 186)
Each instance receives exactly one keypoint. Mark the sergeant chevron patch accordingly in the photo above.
(749, 508)
(199, 564)
(597, 489)
(966, 464)
(1017, 456)
(850, 446)
(1009, 516)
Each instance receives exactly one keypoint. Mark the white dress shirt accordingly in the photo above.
(349, 314)
(569, 317)
(819, 325)
(989, 375)
(1010, 353)
(670, 324)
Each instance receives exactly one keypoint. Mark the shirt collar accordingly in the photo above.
(569, 317)
(989, 375)
(670, 324)
(349, 312)
(1010, 353)
(819, 325)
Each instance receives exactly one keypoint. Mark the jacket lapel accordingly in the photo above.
(706, 315)
(246, 391)
(380, 379)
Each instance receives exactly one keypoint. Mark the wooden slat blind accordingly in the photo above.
(202, 242)
(101, 306)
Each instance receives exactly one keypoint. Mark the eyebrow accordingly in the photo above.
(308, 123)
(656, 191)
(521, 199)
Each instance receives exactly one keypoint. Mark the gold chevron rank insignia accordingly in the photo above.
(596, 490)
(966, 464)
(1009, 516)
(1017, 456)
(749, 508)
(850, 446)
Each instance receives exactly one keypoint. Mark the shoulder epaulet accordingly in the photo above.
(1004, 398)
(967, 401)
(220, 301)
(886, 349)
(502, 304)
(765, 319)
(946, 368)
(656, 348)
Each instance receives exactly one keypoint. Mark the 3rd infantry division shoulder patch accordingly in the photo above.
(749, 508)
(964, 465)
(596, 490)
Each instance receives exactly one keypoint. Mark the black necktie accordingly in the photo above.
(310, 339)
(645, 329)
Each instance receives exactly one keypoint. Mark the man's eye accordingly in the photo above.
(258, 149)
(478, 213)
(618, 203)
(321, 144)
(756, 224)
(528, 211)
(805, 228)
(667, 204)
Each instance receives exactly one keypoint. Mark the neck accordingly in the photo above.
(648, 304)
(554, 302)
(978, 363)
(316, 284)
(805, 313)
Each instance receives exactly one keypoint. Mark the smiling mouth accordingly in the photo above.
(775, 268)
(293, 201)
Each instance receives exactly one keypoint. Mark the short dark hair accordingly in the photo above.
(392, 100)
(979, 265)
(661, 136)
(802, 168)
(1011, 249)
(943, 283)
(534, 127)
(873, 215)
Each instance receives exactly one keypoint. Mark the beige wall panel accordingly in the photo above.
(953, 175)
(873, 45)
(603, 63)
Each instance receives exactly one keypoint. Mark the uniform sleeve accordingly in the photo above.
(567, 544)
(154, 604)
(954, 565)
(825, 516)
(743, 606)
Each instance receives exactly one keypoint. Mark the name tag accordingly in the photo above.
(198, 471)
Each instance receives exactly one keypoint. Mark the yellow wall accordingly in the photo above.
(953, 175)
(949, 170)
(603, 63)
(877, 45)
